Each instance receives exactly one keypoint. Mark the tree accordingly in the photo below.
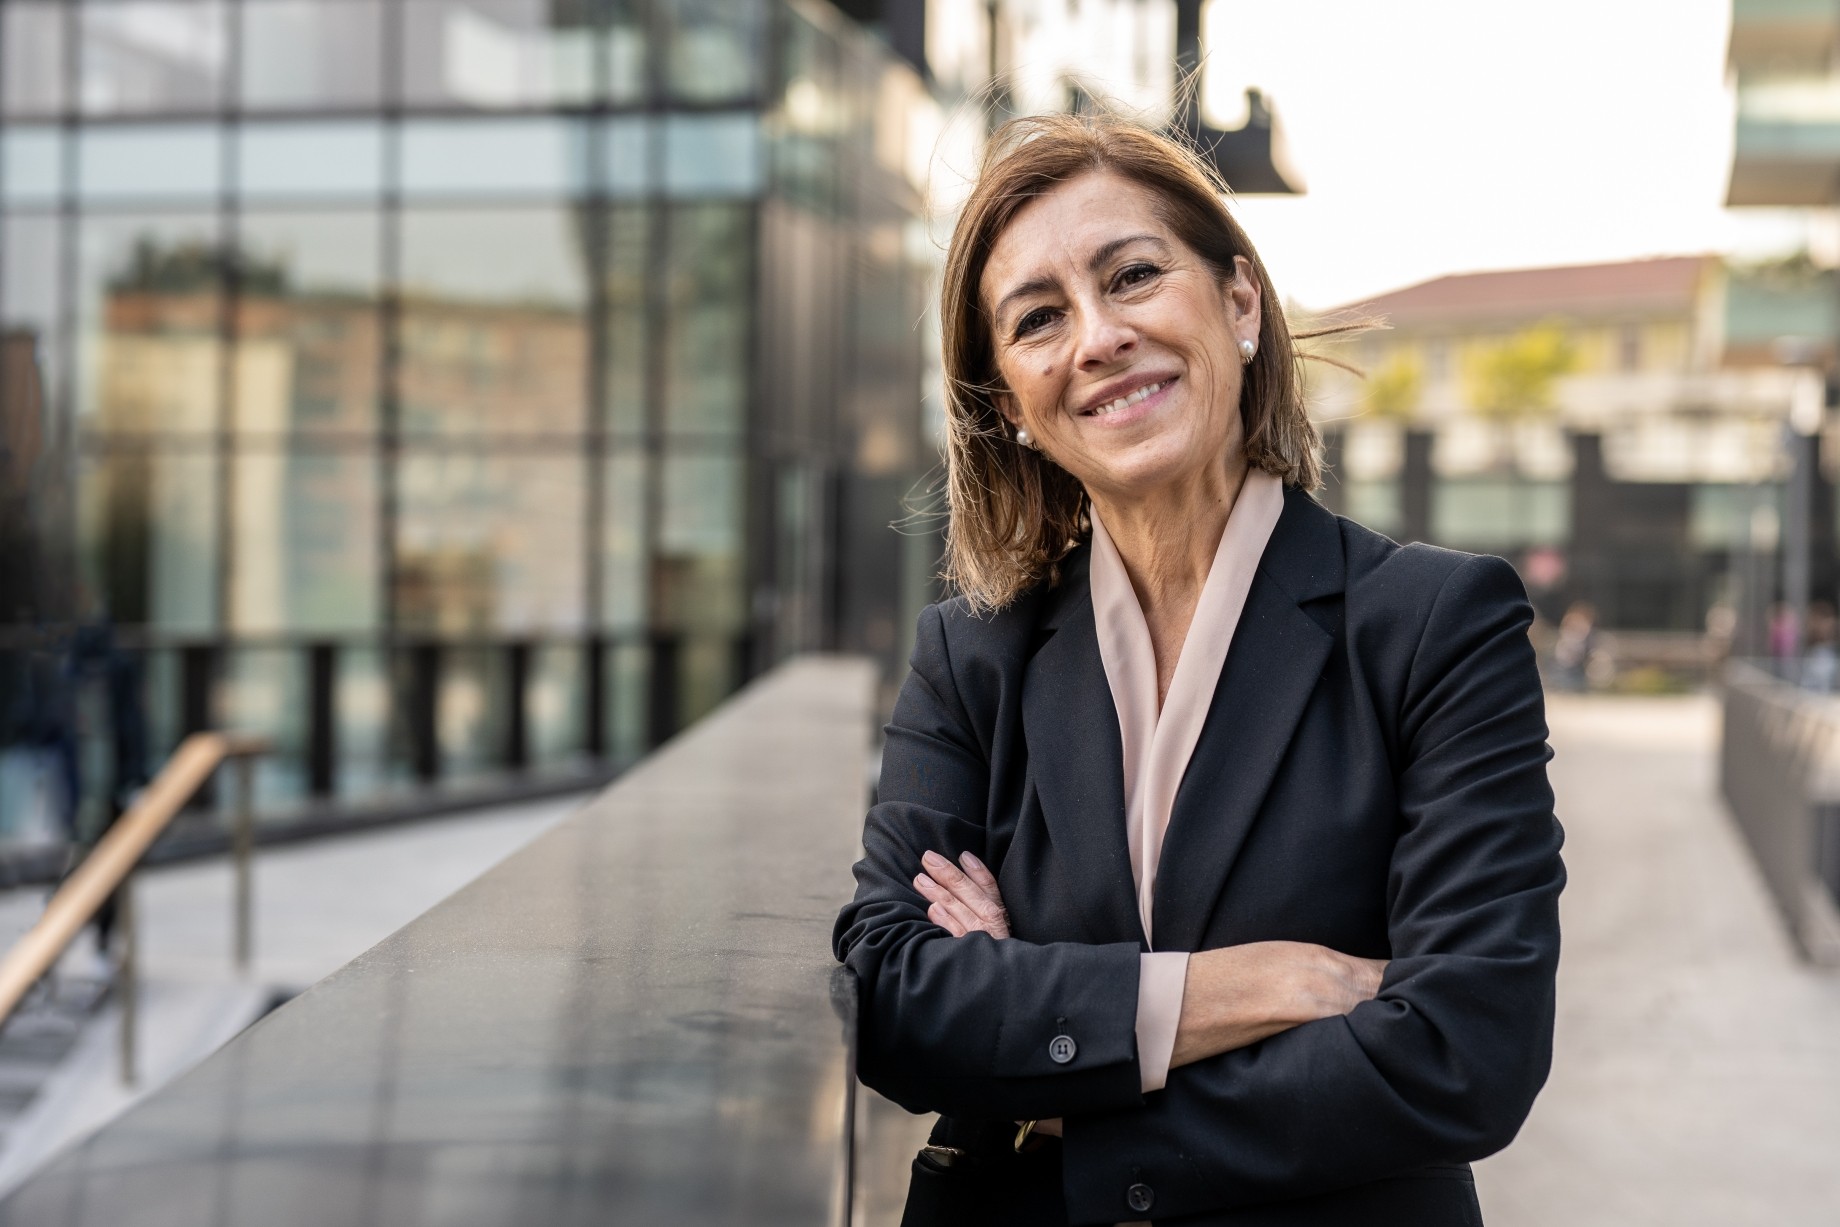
(1516, 378)
(1393, 390)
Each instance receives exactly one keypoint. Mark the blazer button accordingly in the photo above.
(1062, 1048)
(1140, 1197)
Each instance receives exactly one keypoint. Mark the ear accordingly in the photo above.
(1244, 300)
(1006, 405)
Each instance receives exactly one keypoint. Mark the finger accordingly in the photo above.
(987, 904)
(967, 918)
(991, 907)
(977, 872)
(945, 920)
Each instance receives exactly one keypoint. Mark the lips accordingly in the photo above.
(1118, 404)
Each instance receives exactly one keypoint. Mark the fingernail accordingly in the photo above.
(972, 861)
(933, 858)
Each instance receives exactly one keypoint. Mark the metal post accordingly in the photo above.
(125, 975)
(242, 842)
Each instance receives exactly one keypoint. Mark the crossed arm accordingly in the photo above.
(1440, 1063)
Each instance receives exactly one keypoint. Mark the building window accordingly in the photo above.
(1629, 348)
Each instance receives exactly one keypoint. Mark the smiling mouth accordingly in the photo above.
(1125, 402)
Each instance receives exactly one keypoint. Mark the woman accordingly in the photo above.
(1213, 835)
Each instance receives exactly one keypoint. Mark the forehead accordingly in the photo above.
(1055, 233)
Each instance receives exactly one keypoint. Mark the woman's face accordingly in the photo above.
(1116, 343)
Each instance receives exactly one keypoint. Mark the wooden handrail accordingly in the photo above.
(114, 858)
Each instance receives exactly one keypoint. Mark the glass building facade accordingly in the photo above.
(453, 388)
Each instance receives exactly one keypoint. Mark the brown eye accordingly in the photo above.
(1038, 318)
(1137, 274)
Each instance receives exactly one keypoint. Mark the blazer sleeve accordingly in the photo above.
(966, 1026)
(1443, 1065)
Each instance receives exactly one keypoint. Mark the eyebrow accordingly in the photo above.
(1100, 258)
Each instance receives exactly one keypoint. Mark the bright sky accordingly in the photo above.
(1442, 136)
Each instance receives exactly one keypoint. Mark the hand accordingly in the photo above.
(962, 900)
(1239, 995)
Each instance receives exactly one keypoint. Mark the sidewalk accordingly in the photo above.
(317, 906)
(1696, 1076)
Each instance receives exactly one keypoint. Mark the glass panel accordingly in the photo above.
(626, 59)
(628, 673)
(310, 161)
(149, 306)
(698, 569)
(148, 162)
(489, 541)
(712, 155)
(31, 255)
(706, 676)
(304, 541)
(147, 525)
(1376, 505)
(153, 56)
(628, 342)
(1500, 514)
(497, 53)
(710, 259)
(361, 706)
(31, 58)
(553, 701)
(627, 150)
(265, 692)
(472, 711)
(31, 165)
(623, 588)
(494, 157)
(309, 332)
(494, 334)
(713, 49)
(312, 54)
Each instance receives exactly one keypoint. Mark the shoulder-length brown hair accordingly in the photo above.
(1014, 513)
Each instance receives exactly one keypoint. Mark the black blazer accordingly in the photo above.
(1371, 776)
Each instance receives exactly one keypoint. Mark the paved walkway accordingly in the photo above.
(318, 905)
(1696, 1078)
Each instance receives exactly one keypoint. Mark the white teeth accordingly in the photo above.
(1125, 402)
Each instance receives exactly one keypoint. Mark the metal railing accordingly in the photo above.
(107, 872)
(1779, 768)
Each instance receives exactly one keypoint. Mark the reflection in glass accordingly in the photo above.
(698, 571)
(497, 53)
(361, 721)
(1500, 513)
(31, 165)
(628, 344)
(471, 711)
(264, 691)
(147, 532)
(493, 330)
(494, 157)
(489, 541)
(303, 540)
(31, 255)
(309, 335)
(152, 56)
(710, 264)
(553, 702)
(310, 161)
(713, 49)
(148, 307)
(712, 156)
(311, 54)
(148, 162)
(626, 154)
(31, 58)
(626, 671)
(623, 586)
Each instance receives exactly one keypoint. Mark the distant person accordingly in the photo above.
(1783, 634)
(1214, 840)
(1572, 650)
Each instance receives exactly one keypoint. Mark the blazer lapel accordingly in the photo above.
(1076, 760)
(1272, 667)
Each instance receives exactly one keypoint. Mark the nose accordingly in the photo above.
(1103, 337)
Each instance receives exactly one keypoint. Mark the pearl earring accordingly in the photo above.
(1023, 437)
(1247, 349)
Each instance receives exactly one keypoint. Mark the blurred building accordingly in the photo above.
(451, 388)
(1616, 429)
